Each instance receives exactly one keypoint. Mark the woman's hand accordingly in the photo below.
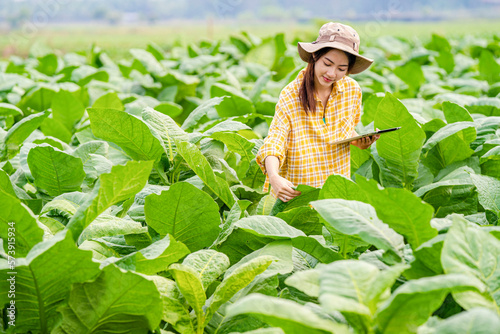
(283, 188)
(365, 142)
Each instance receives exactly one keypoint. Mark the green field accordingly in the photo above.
(131, 199)
(116, 40)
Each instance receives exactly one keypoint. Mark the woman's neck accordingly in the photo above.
(322, 92)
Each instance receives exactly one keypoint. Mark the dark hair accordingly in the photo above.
(306, 92)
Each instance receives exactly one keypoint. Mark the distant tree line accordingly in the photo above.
(114, 11)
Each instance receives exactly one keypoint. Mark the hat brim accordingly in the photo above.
(306, 49)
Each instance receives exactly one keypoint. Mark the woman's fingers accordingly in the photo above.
(287, 194)
(283, 188)
(292, 190)
(285, 197)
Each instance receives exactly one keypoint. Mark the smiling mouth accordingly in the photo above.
(327, 80)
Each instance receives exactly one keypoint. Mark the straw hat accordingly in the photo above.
(337, 36)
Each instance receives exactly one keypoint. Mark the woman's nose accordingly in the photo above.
(331, 73)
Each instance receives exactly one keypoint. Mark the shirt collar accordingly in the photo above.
(340, 85)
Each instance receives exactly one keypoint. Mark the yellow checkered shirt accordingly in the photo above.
(302, 142)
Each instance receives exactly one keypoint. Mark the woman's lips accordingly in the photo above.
(327, 80)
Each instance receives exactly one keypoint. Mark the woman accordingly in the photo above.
(321, 106)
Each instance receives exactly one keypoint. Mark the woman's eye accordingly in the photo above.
(327, 65)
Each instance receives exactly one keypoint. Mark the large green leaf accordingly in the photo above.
(67, 109)
(306, 281)
(448, 145)
(94, 155)
(308, 194)
(411, 73)
(490, 162)
(151, 64)
(110, 226)
(7, 109)
(401, 210)
(17, 218)
(187, 213)
(54, 128)
(411, 304)
(37, 99)
(488, 189)
(192, 289)
(453, 193)
(474, 321)
(400, 150)
(455, 113)
(209, 264)
(282, 253)
(283, 62)
(43, 282)
(488, 106)
(18, 133)
(199, 164)
(154, 258)
(359, 219)
(185, 84)
(338, 186)
(47, 64)
(469, 250)
(438, 43)
(427, 259)
(489, 67)
(446, 61)
(236, 104)
(132, 306)
(165, 128)
(237, 280)
(265, 283)
(292, 317)
(175, 311)
(252, 233)
(236, 143)
(109, 101)
(259, 86)
(226, 126)
(355, 286)
(370, 105)
(303, 218)
(122, 183)
(202, 110)
(170, 109)
(127, 131)
(54, 171)
(360, 160)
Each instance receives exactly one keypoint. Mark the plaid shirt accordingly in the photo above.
(302, 142)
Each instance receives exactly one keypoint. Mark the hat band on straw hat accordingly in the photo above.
(336, 38)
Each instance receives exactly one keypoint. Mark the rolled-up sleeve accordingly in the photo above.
(276, 141)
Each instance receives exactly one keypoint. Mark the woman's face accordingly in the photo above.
(329, 68)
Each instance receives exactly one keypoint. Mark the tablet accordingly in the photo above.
(343, 141)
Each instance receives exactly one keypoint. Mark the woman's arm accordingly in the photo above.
(282, 187)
